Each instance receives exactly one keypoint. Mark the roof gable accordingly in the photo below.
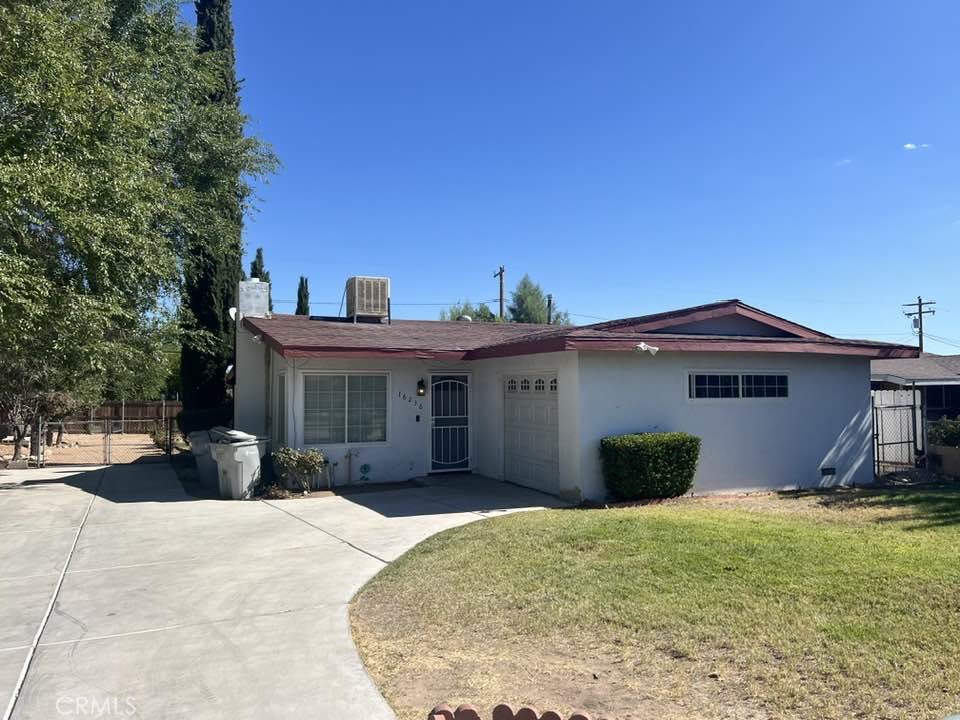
(729, 317)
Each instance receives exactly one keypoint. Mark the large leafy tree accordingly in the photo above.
(528, 304)
(303, 297)
(103, 114)
(480, 312)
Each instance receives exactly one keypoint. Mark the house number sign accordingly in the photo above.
(412, 399)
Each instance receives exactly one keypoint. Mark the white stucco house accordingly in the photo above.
(777, 405)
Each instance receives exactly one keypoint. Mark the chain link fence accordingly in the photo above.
(898, 437)
(103, 441)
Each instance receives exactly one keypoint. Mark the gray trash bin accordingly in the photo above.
(238, 461)
(225, 434)
(206, 466)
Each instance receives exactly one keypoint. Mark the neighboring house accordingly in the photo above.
(936, 376)
(778, 405)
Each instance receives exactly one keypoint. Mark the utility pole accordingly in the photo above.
(920, 304)
(499, 274)
(549, 308)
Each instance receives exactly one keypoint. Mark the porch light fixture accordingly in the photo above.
(421, 388)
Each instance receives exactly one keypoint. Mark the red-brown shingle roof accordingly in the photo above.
(300, 336)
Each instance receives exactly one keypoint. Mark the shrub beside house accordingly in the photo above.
(944, 438)
(649, 465)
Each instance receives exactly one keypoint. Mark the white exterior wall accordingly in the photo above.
(748, 444)
(406, 453)
(489, 405)
(250, 389)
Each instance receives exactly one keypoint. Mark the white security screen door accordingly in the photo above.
(450, 422)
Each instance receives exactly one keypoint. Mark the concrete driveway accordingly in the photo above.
(131, 598)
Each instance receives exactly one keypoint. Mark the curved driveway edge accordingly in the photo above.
(175, 607)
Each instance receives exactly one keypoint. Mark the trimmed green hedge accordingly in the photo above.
(649, 465)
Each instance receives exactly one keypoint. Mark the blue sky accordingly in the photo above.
(632, 157)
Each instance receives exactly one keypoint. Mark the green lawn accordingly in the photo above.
(820, 606)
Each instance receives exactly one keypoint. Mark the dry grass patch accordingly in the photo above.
(812, 606)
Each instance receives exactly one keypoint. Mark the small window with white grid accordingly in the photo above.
(723, 386)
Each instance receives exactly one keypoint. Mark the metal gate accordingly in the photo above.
(898, 437)
(450, 419)
(103, 441)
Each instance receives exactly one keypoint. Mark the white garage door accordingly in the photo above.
(530, 443)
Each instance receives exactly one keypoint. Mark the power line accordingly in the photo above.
(590, 317)
(294, 302)
(944, 341)
(851, 333)
(395, 304)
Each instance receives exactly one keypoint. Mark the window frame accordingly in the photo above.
(280, 410)
(346, 408)
(689, 374)
(942, 402)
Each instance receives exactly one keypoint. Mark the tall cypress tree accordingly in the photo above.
(257, 267)
(303, 297)
(215, 34)
(215, 249)
(259, 270)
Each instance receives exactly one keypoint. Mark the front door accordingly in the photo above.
(450, 422)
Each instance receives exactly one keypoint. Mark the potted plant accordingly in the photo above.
(298, 468)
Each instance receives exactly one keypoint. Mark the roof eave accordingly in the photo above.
(347, 352)
(818, 347)
(925, 382)
(611, 341)
(559, 344)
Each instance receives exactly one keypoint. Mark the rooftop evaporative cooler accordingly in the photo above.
(368, 297)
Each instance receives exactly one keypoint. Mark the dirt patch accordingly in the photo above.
(619, 680)
(279, 492)
(91, 449)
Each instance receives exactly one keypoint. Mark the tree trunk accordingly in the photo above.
(35, 441)
(18, 432)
